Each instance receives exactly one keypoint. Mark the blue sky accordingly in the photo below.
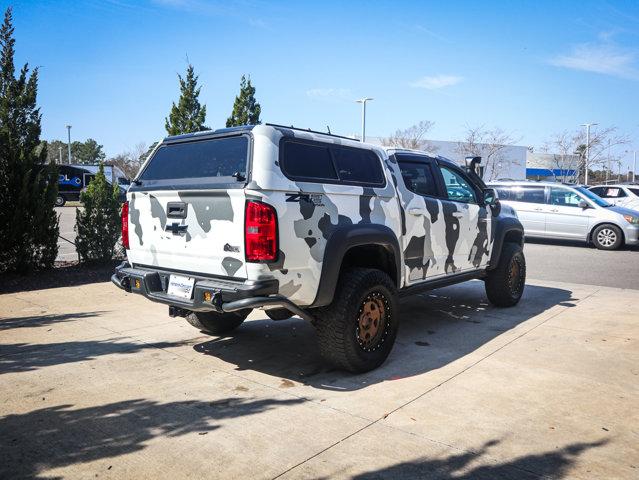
(532, 68)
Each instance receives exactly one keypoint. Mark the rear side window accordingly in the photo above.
(306, 161)
(635, 191)
(419, 178)
(358, 166)
(330, 163)
(522, 194)
(219, 157)
(612, 192)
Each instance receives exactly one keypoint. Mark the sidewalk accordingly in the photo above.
(95, 382)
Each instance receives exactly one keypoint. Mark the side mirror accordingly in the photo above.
(583, 204)
(492, 200)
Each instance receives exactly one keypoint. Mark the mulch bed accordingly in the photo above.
(64, 274)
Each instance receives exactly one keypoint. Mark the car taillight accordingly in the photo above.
(125, 225)
(260, 232)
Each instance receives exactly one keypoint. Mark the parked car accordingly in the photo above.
(619, 195)
(73, 179)
(554, 210)
(297, 222)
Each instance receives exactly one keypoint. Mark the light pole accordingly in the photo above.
(363, 102)
(634, 165)
(60, 153)
(69, 143)
(587, 125)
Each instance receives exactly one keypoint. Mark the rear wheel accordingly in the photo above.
(357, 330)
(278, 313)
(607, 237)
(217, 323)
(505, 284)
(60, 201)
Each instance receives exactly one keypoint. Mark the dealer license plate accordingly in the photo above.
(180, 286)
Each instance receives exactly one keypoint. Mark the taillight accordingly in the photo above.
(125, 225)
(260, 232)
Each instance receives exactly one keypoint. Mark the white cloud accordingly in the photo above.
(329, 94)
(606, 58)
(436, 82)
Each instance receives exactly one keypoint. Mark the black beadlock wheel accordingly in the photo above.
(607, 237)
(505, 284)
(357, 330)
(215, 323)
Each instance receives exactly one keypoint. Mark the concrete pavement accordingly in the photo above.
(99, 383)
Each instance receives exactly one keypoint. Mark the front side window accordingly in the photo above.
(564, 198)
(458, 188)
(635, 191)
(418, 178)
(218, 157)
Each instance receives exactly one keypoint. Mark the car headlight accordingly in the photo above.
(631, 219)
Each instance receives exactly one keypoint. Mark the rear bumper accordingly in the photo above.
(226, 295)
(631, 234)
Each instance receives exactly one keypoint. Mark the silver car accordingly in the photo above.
(554, 210)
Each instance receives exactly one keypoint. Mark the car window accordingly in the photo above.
(635, 191)
(419, 178)
(305, 161)
(597, 191)
(535, 194)
(358, 166)
(612, 192)
(564, 197)
(457, 188)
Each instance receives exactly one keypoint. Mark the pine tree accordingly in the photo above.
(246, 110)
(188, 115)
(28, 187)
(98, 225)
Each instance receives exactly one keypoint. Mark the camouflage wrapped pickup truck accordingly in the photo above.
(303, 223)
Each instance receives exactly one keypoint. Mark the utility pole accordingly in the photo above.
(363, 102)
(69, 143)
(634, 166)
(587, 125)
(608, 170)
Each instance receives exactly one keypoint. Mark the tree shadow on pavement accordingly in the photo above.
(23, 357)
(43, 320)
(58, 436)
(551, 464)
(437, 328)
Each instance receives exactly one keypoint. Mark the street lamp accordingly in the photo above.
(69, 143)
(363, 102)
(587, 125)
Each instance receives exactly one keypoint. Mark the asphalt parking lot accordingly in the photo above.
(96, 383)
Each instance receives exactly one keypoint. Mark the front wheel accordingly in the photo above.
(607, 237)
(505, 284)
(357, 330)
(215, 323)
(60, 201)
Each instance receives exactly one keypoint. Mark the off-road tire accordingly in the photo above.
(215, 323)
(278, 313)
(505, 284)
(607, 237)
(340, 325)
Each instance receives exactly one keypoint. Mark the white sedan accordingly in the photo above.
(626, 196)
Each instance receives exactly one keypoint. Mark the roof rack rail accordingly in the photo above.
(312, 131)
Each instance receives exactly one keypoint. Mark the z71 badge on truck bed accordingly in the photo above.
(303, 223)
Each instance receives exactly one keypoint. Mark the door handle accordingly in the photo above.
(458, 214)
(554, 210)
(416, 211)
(538, 209)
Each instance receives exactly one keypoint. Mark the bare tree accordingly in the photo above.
(491, 145)
(569, 149)
(412, 137)
(131, 161)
